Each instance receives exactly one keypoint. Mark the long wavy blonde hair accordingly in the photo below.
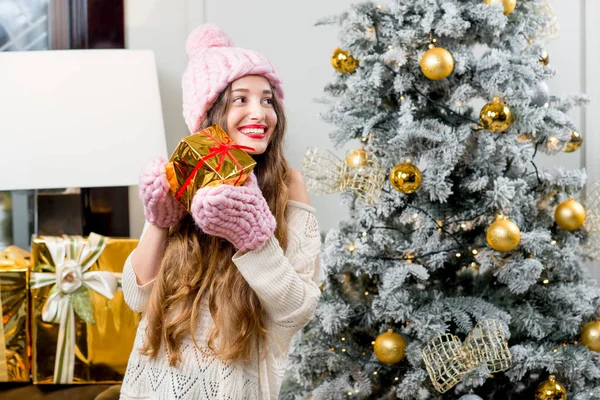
(197, 266)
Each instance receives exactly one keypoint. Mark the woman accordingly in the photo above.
(224, 288)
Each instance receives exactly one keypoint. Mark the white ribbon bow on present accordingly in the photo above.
(72, 258)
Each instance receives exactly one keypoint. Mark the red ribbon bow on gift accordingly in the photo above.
(222, 150)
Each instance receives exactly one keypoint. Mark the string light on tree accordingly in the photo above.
(370, 34)
(389, 347)
(526, 137)
(551, 389)
(574, 143)
(406, 177)
(503, 235)
(496, 116)
(507, 5)
(590, 335)
(569, 215)
(343, 62)
(544, 57)
(553, 144)
(437, 63)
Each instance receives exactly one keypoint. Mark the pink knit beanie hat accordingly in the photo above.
(213, 65)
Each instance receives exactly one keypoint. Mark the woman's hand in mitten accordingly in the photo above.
(239, 214)
(160, 207)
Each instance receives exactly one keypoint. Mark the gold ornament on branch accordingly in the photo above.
(544, 58)
(551, 390)
(592, 220)
(357, 158)
(448, 360)
(507, 5)
(437, 63)
(574, 143)
(503, 235)
(389, 347)
(569, 215)
(496, 116)
(590, 335)
(406, 177)
(343, 62)
(325, 173)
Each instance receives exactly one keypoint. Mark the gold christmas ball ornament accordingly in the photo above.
(551, 390)
(569, 215)
(496, 116)
(544, 57)
(357, 158)
(590, 335)
(405, 178)
(503, 235)
(507, 5)
(437, 63)
(574, 142)
(389, 347)
(343, 62)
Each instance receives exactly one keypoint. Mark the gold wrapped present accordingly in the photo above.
(207, 158)
(82, 330)
(14, 331)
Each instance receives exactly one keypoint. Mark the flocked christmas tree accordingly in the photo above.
(460, 271)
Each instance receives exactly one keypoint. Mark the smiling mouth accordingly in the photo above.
(254, 132)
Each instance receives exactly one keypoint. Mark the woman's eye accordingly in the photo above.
(239, 100)
(268, 101)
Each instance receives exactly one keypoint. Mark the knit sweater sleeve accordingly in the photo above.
(136, 296)
(287, 284)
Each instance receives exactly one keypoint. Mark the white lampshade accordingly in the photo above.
(78, 118)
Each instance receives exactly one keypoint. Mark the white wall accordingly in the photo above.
(285, 33)
(591, 66)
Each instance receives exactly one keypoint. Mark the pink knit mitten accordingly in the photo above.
(239, 214)
(160, 207)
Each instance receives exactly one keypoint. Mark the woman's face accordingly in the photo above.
(251, 118)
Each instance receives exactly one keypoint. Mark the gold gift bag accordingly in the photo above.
(14, 329)
(82, 330)
(207, 158)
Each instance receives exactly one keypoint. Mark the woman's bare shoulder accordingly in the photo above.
(297, 187)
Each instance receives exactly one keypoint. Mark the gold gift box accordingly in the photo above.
(14, 329)
(101, 349)
(206, 158)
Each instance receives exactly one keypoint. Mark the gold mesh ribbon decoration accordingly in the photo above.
(592, 220)
(448, 360)
(550, 29)
(325, 173)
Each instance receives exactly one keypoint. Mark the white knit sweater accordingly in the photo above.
(288, 287)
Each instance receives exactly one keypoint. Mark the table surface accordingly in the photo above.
(19, 391)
